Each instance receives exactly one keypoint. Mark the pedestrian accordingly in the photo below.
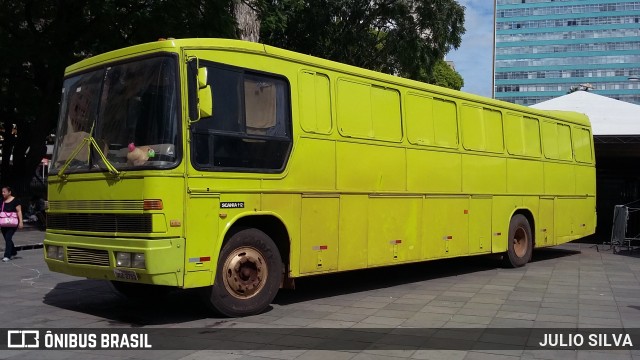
(10, 210)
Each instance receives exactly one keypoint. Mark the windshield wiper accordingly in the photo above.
(91, 142)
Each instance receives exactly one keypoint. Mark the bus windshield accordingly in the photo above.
(130, 109)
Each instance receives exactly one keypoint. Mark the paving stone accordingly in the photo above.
(404, 307)
(516, 315)
(381, 320)
(324, 355)
(558, 311)
(614, 323)
(439, 355)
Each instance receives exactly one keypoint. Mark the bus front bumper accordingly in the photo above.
(95, 258)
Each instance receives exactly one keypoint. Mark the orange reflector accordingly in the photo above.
(152, 205)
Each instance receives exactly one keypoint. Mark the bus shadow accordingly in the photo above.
(552, 253)
(317, 287)
(99, 299)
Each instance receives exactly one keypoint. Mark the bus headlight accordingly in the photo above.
(138, 260)
(123, 259)
(127, 259)
(55, 252)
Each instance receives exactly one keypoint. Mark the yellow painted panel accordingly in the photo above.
(420, 128)
(314, 102)
(585, 180)
(372, 168)
(433, 171)
(445, 123)
(493, 130)
(531, 203)
(484, 174)
(354, 109)
(580, 217)
(503, 209)
(159, 223)
(233, 184)
(588, 215)
(321, 176)
(473, 136)
(366, 111)
(556, 139)
(531, 132)
(393, 230)
(559, 179)
(481, 129)
(524, 177)
(319, 234)
(522, 135)
(354, 223)
(480, 225)
(288, 208)
(564, 219)
(564, 142)
(545, 229)
(202, 229)
(582, 145)
(445, 227)
(431, 121)
(513, 134)
(385, 114)
(550, 139)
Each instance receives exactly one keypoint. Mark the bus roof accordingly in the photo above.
(176, 45)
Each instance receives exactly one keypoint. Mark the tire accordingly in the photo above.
(133, 291)
(248, 275)
(520, 242)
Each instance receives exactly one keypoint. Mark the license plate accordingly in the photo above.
(125, 274)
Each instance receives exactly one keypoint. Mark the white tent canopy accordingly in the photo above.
(608, 116)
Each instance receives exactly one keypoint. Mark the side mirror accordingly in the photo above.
(205, 101)
(202, 77)
(204, 93)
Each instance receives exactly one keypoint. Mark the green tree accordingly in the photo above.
(400, 37)
(445, 75)
(40, 38)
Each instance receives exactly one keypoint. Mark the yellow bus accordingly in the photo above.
(237, 167)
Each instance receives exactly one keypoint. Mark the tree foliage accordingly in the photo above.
(40, 38)
(401, 37)
(445, 75)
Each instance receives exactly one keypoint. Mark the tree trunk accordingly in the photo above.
(248, 22)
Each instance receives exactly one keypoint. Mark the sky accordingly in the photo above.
(474, 58)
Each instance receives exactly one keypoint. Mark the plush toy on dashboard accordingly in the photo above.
(139, 155)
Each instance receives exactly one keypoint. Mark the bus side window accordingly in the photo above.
(250, 127)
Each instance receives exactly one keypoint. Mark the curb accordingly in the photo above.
(28, 247)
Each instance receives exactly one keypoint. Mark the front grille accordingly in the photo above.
(106, 223)
(87, 256)
(96, 205)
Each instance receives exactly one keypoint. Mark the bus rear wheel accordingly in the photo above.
(520, 242)
(248, 275)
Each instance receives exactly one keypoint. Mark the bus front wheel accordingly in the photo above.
(248, 275)
(520, 242)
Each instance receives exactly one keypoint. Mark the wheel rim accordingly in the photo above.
(245, 272)
(520, 242)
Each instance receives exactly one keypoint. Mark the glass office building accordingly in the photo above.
(543, 48)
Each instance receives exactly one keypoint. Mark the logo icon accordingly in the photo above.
(23, 339)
